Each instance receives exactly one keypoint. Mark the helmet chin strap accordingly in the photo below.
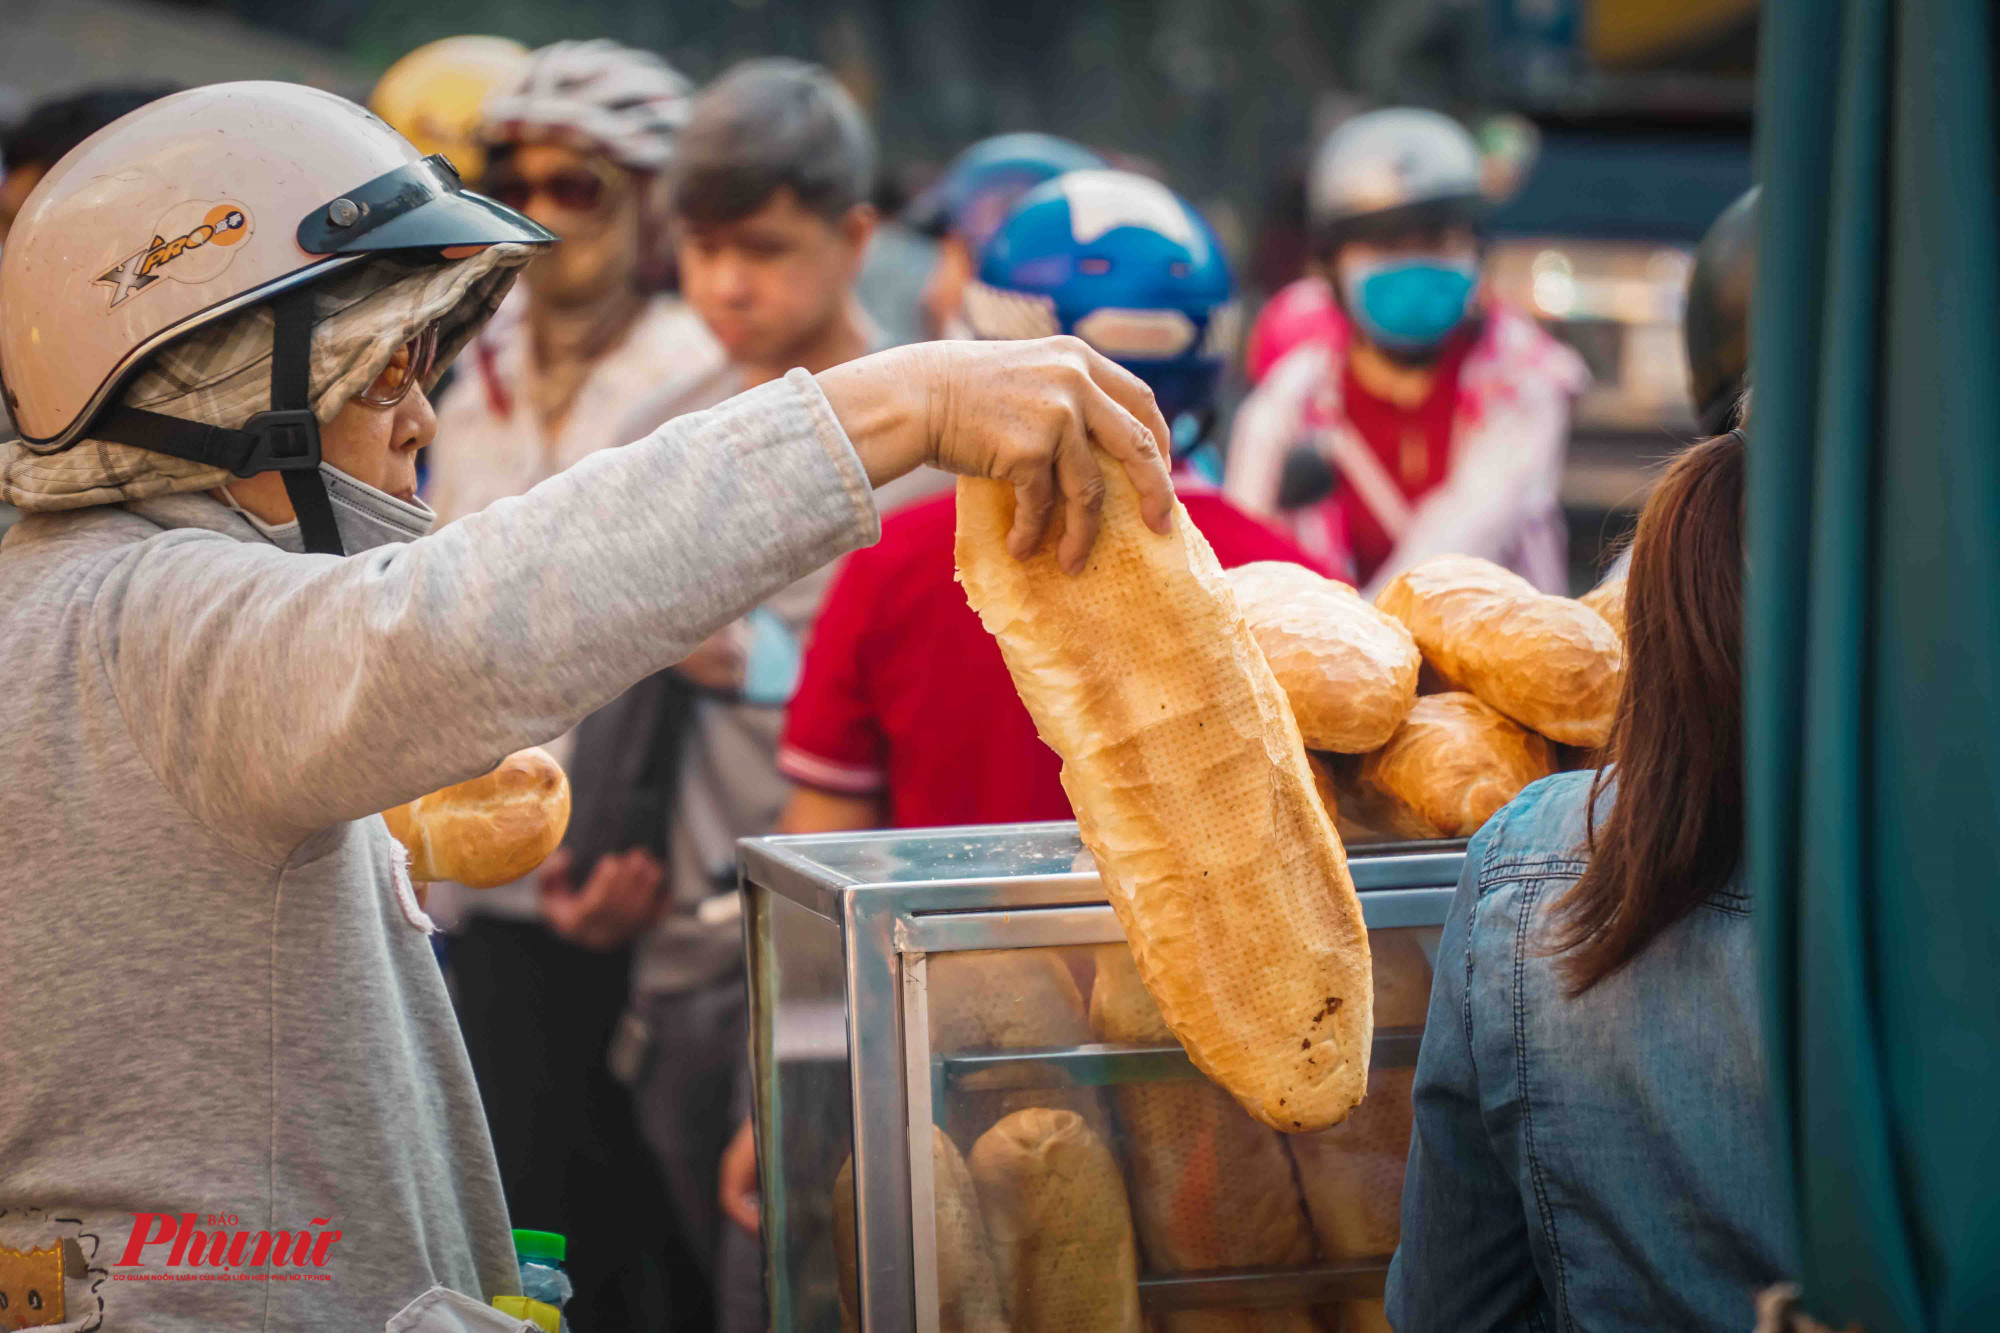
(284, 439)
(291, 394)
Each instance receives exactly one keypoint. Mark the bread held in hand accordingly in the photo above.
(489, 830)
(1452, 763)
(1550, 663)
(1349, 670)
(1191, 789)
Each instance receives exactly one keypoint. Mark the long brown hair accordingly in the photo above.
(1674, 833)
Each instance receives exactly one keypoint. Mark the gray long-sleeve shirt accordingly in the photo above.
(215, 997)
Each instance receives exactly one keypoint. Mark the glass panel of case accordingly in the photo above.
(809, 1133)
(1084, 1169)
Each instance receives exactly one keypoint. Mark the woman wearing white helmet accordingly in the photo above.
(225, 1025)
(1429, 418)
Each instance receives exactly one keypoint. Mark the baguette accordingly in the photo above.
(1062, 1231)
(1549, 663)
(1608, 600)
(1212, 1187)
(1349, 671)
(1352, 1175)
(1452, 763)
(1006, 1000)
(968, 1285)
(489, 830)
(1191, 789)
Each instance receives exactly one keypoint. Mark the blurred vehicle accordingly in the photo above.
(1597, 244)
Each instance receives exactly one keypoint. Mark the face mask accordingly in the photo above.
(366, 518)
(1408, 305)
(772, 662)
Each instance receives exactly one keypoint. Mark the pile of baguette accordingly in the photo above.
(1051, 1202)
(1434, 706)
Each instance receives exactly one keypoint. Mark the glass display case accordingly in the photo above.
(960, 1089)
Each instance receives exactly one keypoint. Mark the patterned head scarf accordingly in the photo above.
(221, 373)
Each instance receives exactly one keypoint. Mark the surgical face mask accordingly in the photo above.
(1409, 303)
(367, 518)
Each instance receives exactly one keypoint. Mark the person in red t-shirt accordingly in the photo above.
(1425, 420)
(905, 715)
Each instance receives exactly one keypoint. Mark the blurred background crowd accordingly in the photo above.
(1408, 276)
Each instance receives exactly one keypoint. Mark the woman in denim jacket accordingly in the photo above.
(1590, 1149)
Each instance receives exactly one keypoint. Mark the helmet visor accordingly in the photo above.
(421, 206)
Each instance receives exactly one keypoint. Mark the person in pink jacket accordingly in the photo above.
(1427, 419)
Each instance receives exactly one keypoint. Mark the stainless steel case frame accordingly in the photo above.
(999, 887)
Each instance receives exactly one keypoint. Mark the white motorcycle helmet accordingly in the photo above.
(194, 209)
(1400, 164)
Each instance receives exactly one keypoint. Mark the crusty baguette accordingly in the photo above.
(968, 1285)
(1550, 663)
(1349, 670)
(1352, 1174)
(1062, 1232)
(489, 830)
(1006, 1000)
(1191, 789)
(1452, 763)
(1363, 814)
(1211, 1188)
(1608, 600)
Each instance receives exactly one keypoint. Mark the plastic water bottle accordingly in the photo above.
(545, 1286)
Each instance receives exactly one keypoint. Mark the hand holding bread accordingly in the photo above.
(1192, 791)
(1033, 414)
(489, 830)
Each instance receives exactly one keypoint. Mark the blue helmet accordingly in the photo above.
(980, 187)
(1123, 263)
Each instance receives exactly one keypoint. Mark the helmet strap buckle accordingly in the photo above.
(282, 441)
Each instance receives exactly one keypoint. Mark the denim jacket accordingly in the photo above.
(1595, 1163)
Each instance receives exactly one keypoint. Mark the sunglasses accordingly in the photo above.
(409, 367)
(572, 190)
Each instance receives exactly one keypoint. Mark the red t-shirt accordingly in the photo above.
(1414, 446)
(904, 694)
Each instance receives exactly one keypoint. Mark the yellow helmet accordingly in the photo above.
(432, 96)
